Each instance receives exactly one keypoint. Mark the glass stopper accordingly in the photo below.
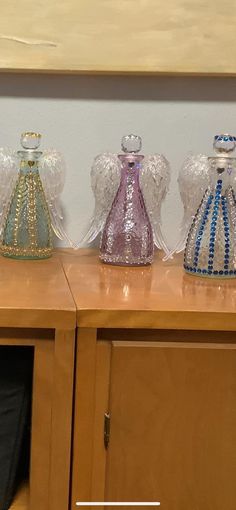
(30, 140)
(131, 143)
(224, 143)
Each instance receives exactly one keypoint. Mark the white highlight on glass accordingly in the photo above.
(118, 503)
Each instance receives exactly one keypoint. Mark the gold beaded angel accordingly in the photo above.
(31, 184)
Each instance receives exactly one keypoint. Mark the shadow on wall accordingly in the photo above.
(153, 88)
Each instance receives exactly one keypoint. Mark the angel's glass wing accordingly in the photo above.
(193, 180)
(105, 179)
(154, 182)
(9, 164)
(52, 173)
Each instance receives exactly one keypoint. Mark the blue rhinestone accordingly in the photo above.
(211, 255)
(204, 271)
(211, 197)
(227, 250)
(225, 223)
(195, 264)
(226, 266)
(231, 272)
(226, 272)
(226, 229)
(194, 270)
(226, 138)
(227, 245)
(212, 239)
(190, 269)
(211, 250)
(210, 267)
(211, 245)
(219, 181)
(215, 272)
(209, 272)
(199, 271)
(221, 272)
(198, 243)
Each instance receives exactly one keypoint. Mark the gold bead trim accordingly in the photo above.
(32, 134)
(13, 251)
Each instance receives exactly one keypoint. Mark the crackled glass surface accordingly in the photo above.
(27, 229)
(127, 238)
(211, 245)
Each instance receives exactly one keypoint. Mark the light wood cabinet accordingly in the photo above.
(156, 351)
(173, 425)
(38, 311)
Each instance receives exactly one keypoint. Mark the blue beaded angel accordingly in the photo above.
(209, 234)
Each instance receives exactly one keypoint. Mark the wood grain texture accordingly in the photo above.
(161, 296)
(41, 428)
(143, 36)
(35, 294)
(102, 388)
(173, 425)
(84, 408)
(21, 500)
(61, 430)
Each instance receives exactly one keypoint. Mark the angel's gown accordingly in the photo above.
(127, 237)
(211, 244)
(27, 229)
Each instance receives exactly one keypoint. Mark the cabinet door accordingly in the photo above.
(173, 425)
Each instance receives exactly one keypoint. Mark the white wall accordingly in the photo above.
(83, 116)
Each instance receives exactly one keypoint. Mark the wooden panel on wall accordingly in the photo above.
(173, 425)
(143, 36)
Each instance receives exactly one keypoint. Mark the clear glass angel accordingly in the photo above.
(208, 232)
(129, 190)
(31, 184)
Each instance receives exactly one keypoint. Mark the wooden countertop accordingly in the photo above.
(159, 296)
(35, 294)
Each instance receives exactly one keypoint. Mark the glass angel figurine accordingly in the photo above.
(208, 232)
(31, 183)
(129, 190)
